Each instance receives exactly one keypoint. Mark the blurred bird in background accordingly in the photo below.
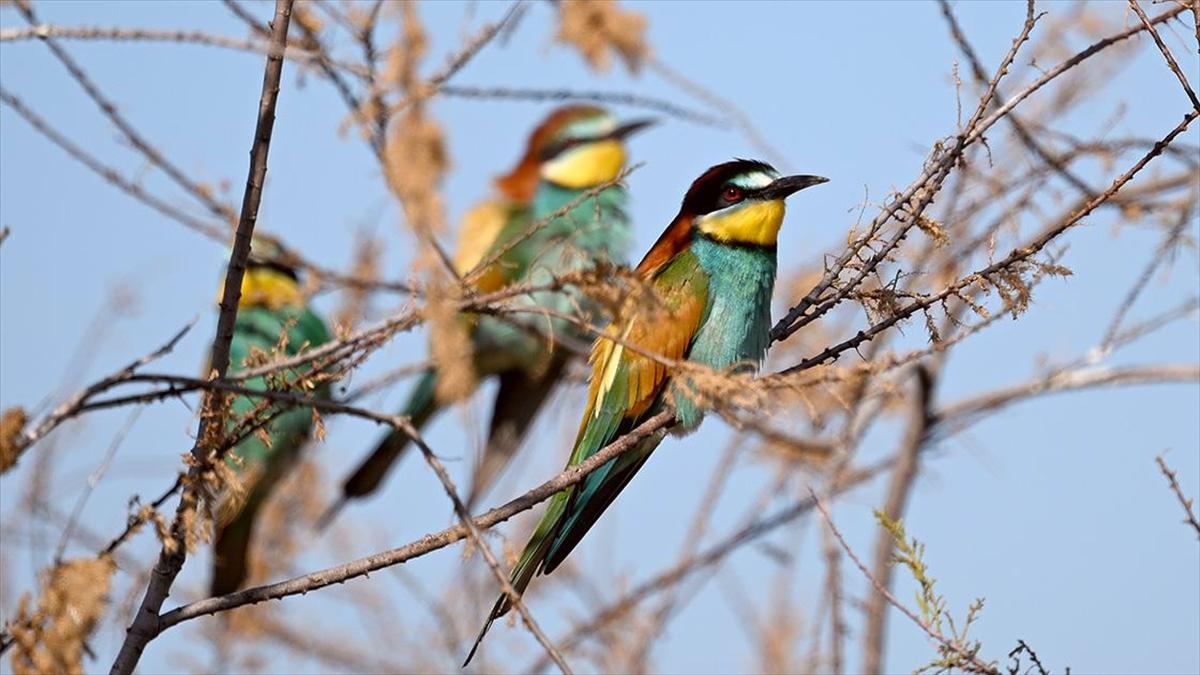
(274, 322)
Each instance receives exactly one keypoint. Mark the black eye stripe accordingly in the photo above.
(276, 266)
(707, 192)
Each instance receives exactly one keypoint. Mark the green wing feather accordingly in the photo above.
(259, 328)
(626, 388)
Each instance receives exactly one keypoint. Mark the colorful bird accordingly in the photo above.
(712, 273)
(273, 322)
(575, 150)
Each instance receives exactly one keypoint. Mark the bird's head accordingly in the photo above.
(741, 202)
(272, 277)
(576, 146)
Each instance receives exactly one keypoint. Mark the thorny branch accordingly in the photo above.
(1185, 502)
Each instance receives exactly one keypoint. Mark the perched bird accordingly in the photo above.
(712, 273)
(273, 320)
(573, 151)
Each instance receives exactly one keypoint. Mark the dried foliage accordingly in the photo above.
(600, 29)
(12, 423)
(450, 345)
(51, 632)
(416, 162)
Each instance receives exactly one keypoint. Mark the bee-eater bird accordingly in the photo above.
(573, 151)
(273, 320)
(712, 271)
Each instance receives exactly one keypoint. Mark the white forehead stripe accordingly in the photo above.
(755, 180)
(593, 127)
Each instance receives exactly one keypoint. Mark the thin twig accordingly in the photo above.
(1170, 58)
(1161, 255)
(110, 174)
(72, 405)
(123, 34)
(725, 105)
(615, 97)
(1017, 255)
(224, 211)
(959, 415)
(464, 516)
(92, 481)
(800, 314)
(1183, 501)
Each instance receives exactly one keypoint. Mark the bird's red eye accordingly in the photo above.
(732, 194)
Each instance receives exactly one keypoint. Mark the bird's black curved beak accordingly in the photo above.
(785, 186)
(629, 128)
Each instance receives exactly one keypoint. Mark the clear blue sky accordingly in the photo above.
(1053, 511)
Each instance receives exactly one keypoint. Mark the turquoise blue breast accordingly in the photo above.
(258, 328)
(737, 323)
(595, 230)
(598, 226)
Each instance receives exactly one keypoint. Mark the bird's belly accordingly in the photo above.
(735, 331)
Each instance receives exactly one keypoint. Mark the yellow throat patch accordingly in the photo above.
(587, 165)
(265, 287)
(753, 222)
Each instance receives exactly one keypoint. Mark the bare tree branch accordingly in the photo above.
(224, 211)
(1170, 58)
(426, 544)
(172, 557)
(1183, 501)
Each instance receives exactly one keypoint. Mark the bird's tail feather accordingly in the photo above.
(514, 412)
(529, 564)
(230, 551)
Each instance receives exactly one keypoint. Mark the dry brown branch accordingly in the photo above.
(957, 416)
(815, 304)
(464, 516)
(203, 195)
(123, 34)
(171, 558)
(710, 556)
(691, 544)
(1183, 501)
(213, 231)
(136, 520)
(110, 174)
(615, 97)
(422, 546)
(73, 405)
(1017, 255)
(1167, 55)
(1019, 126)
